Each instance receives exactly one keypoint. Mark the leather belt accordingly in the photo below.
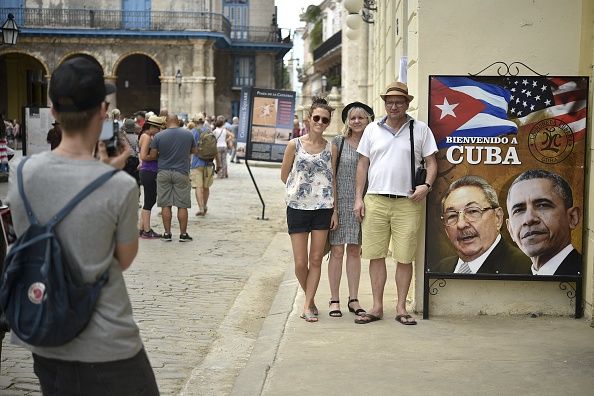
(393, 196)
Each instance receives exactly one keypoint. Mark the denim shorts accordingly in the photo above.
(299, 220)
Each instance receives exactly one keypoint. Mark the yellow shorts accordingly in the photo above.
(390, 218)
(202, 177)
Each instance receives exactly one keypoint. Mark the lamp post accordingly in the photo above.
(10, 31)
(178, 79)
(324, 83)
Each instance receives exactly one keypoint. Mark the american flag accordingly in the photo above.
(537, 98)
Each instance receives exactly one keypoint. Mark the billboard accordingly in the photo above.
(265, 123)
(508, 201)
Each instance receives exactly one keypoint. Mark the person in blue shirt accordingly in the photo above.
(201, 171)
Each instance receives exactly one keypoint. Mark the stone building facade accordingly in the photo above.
(188, 56)
(465, 36)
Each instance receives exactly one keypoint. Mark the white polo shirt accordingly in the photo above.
(389, 155)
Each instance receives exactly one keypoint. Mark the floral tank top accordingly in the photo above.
(309, 185)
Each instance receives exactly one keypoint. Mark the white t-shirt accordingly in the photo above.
(389, 155)
(221, 135)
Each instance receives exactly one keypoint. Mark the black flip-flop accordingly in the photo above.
(406, 322)
(367, 318)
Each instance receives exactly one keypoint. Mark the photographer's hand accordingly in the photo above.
(119, 160)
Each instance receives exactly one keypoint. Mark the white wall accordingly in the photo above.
(464, 36)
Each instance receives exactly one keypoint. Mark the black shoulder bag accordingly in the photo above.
(419, 175)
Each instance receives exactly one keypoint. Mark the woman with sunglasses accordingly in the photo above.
(307, 172)
(355, 117)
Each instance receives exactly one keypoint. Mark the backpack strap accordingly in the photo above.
(30, 215)
(79, 197)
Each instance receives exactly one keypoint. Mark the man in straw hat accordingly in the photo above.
(392, 207)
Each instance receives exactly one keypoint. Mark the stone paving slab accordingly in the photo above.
(182, 292)
(446, 355)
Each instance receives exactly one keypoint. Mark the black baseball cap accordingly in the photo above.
(78, 85)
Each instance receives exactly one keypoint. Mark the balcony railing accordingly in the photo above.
(269, 34)
(36, 18)
(333, 42)
(119, 20)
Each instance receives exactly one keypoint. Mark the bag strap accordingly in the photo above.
(412, 154)
(79, 197)
(30, 215)
(339, 154)
(134, 148)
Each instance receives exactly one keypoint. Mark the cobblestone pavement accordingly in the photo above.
(182, 292)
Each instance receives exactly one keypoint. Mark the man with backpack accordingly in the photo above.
(92, 244)
(202, 166)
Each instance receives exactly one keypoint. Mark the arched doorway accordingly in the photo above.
(138, 85)
(22, 84)
(82, 55)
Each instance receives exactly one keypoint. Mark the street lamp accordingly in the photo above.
(364, 7)
(178, 79)
(10, 31)
(324, 83)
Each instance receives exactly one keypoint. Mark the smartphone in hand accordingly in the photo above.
(109, 136)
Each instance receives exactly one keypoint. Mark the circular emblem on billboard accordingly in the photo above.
(36, 292)
(551, 141)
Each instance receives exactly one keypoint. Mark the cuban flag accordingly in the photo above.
(461, 106)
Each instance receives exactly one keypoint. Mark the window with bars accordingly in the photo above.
(244, 73)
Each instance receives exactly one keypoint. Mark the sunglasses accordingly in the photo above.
(317, 118)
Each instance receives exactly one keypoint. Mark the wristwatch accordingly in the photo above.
(428, 186)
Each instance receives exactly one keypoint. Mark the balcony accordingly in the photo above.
(64, 19)
(328, 46)
(163, 24)
(255, 34)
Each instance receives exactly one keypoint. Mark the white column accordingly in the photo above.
(167, 86)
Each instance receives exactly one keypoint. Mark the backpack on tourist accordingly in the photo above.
(45, 301)
(207, 146)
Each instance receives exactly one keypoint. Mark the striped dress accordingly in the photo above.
(349, 229)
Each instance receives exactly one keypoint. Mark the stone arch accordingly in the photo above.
(39, 59)
(138, 84)
(23, 82)
(130, 53)
(83, 54)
